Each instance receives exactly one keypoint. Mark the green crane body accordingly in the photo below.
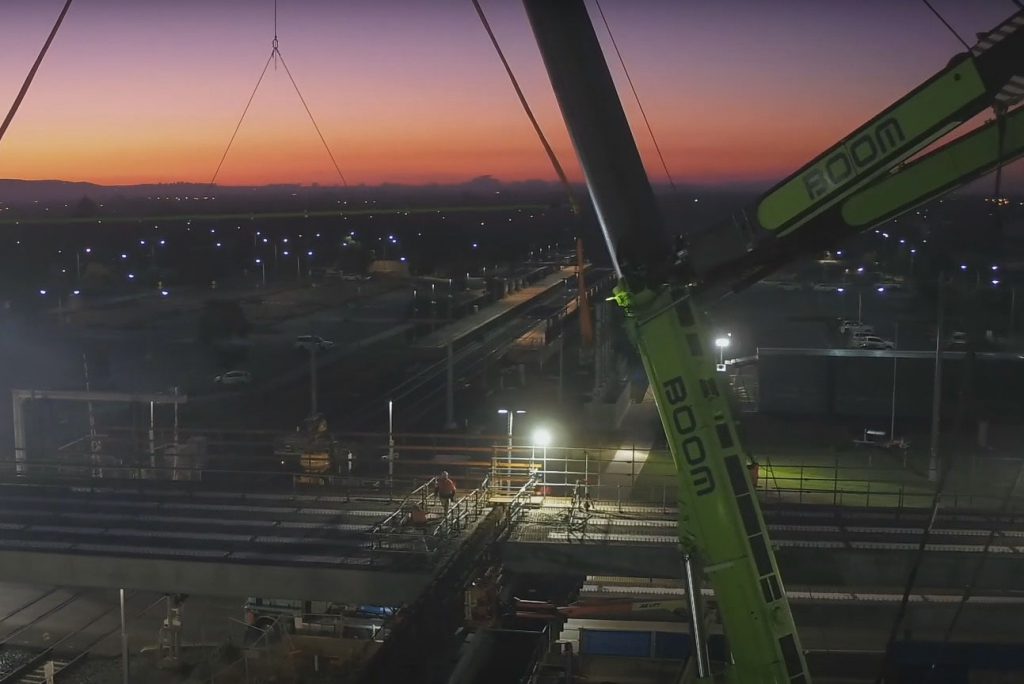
(719, 516)
(867, 178)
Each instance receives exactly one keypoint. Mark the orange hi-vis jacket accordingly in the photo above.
(446, 487)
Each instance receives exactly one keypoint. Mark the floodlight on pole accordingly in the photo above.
(722, 343)
(511, 416)
(541, 438)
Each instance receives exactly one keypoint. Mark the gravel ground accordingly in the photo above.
(143, 671)
(11, 658)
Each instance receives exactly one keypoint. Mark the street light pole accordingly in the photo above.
(1013, 306)
(391, 438)
(542, 438)
(722, 343)
(312, 380)
(125, 672)
(892, 414)
(933, 457)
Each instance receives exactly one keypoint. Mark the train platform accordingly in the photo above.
(457, 332)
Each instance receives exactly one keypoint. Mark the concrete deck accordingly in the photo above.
(213, 543)
(815, 546)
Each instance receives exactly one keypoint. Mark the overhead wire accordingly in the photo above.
(32, 72)
(1007, 503)
(636, 96)
(275, 54)
(552, 157)
(945, 467)
(1006, 508)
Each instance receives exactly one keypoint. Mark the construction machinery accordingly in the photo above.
(866, 178)
(309, 452)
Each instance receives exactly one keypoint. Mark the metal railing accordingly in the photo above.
(419, 543)
(635, 476)
(396, 518)
(630, 475)
(463, 511)
(520, 500)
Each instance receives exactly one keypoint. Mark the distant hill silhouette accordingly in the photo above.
(19, 192)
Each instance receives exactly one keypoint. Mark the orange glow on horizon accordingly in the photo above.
(417, 95)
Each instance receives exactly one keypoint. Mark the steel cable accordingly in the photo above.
(32, 71)
(636, 96)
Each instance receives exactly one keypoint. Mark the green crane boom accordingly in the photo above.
(872, 175)
(850, 187)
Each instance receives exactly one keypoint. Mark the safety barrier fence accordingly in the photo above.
(635, 477)
(418, 541)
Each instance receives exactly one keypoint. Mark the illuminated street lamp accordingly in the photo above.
(78, 261)
(722, 343)
(263, 267)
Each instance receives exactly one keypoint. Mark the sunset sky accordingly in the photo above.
(410, 91)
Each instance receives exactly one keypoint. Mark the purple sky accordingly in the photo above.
(411, 91)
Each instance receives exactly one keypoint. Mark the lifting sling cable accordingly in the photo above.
(275, 54)
(946, 24)
(573, 206)
(242, 118)
(32, 72)
(636, 96)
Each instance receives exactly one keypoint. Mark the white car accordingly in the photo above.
(311, 342)
(235, 377)
(873, 342)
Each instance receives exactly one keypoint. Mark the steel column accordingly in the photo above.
(618, 185)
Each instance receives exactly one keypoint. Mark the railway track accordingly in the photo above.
(59, 658)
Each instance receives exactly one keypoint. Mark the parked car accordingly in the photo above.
(235, 377)
(874, 342)
(310, 342)
(957, 340)
(857, 337)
